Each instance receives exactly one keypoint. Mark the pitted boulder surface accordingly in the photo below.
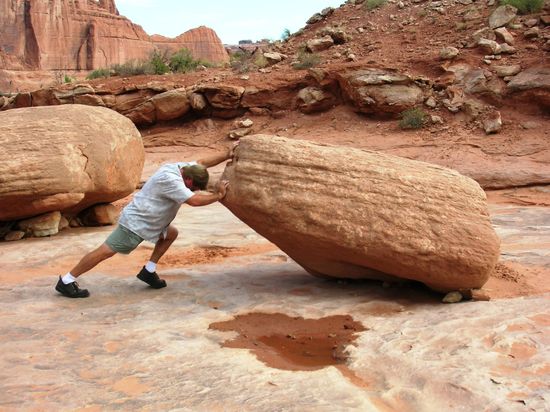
(349, 213)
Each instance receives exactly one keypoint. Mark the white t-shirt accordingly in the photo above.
(155, 206)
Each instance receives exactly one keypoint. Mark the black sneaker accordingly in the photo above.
(152, 279)
(71, 290)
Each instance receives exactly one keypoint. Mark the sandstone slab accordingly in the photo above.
(66, 158)
(379, 91)
(348, 213)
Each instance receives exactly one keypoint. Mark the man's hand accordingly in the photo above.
(222, 189)
(203, 199)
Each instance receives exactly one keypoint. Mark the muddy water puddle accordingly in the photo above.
(293, 343)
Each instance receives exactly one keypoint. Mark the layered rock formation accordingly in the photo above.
(66, 158)
(202, 42)
(85, 35)
(350, 213)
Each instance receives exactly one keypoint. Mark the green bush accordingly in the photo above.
(67, 79)
(306, 60)
(133, 68)
(412, 118)
(98, 74)
(286, 35)
(158, 62)
(525, 6)
(182, 62)
(373, 4)
(240, 61)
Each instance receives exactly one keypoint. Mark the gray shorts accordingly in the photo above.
(122, 240)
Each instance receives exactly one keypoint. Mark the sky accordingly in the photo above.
(233, 20)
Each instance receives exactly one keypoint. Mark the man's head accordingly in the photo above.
(195, 177)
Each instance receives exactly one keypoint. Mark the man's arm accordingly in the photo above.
(217, 158)
(201, 199)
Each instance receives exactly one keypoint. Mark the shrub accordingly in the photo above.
(67, 79)
(306, 60)
(240, 61)
(132, 68)
(158, 62)
(98, 74)
(412, 118)
(525, 6)
(182, 61)
(373, 4)
(286, 35)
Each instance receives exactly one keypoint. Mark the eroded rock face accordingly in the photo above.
(86, 35)
(65, 158)
(202, 42)
(380, 91)
(349, 213)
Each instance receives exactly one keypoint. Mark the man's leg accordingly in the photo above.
(164, 243)
(92, 259)
(148, 274)
(67, 285)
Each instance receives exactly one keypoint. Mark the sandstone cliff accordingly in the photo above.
(85, 35)
(202, 42)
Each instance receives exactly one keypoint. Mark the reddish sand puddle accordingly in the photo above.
(293, 343)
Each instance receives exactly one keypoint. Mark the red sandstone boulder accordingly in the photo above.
(350, 213)
(65, 158)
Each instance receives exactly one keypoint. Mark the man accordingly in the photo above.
(148, 217)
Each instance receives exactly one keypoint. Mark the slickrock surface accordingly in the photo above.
(349, 213)
(132, 348)
(66, 158)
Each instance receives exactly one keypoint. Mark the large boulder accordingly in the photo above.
(351, 213)
(65, 158)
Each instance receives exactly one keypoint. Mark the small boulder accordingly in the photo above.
(41, 226)
(492, 122)
(503, 34)
(313, 99)
(171, 104)
(99, 215)
(448, 53)
(14, 235)
(502, 16)
(319, 44)
(505, 71)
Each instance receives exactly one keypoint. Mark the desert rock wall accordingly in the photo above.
(85, 35)
(202, 41)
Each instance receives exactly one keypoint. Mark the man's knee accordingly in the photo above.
(105, 252)
(171, 233)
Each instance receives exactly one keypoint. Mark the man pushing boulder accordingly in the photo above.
(149, 216)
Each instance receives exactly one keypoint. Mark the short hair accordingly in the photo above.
(198, 174)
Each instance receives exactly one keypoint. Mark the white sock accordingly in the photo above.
(68, 278)
(151, 267)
